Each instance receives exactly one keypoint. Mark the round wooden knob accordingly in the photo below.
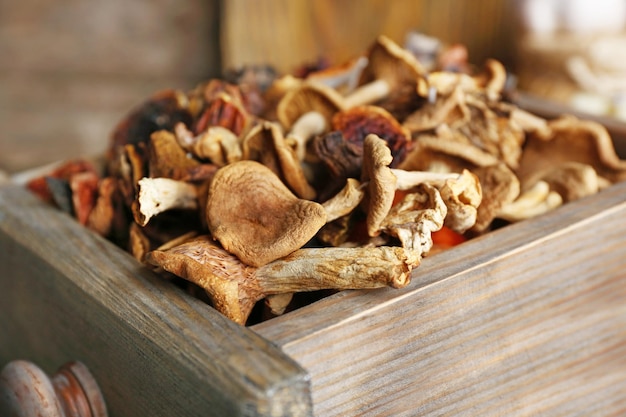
(26, 391)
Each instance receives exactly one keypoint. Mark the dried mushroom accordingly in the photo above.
(255, 216)
(381, 182)
(157, 195)
(571, 139)
(306, 111)
(234, 287)
(415, 218)
(266, 144)
(358, 122)
(573, 180)
(389, 66)
(499, 187)
(343, 78)
(539, 199)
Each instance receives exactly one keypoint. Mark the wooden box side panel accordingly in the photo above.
(538, 327)
(68, 294)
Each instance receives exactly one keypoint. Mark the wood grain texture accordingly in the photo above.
(528, 320)
(288, 33)
(67, 295)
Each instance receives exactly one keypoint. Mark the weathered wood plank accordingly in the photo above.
(68, 294)
(528, 320)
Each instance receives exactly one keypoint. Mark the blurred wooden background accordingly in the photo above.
(70, 69)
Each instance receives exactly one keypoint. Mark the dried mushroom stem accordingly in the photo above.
(410, 179)
(368, 93)
(535, 201)
(234, 287)
(344, 201)
(312, 269)
(157, 195)
(307, 126)
(278, 303)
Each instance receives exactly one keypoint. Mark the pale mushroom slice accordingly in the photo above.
(389, 65)
(538, 199)
(256, 217)
(234, 287)
(415, 217)
(493, 79)
(343, 78)
(306, 111)
(266, 144)
(217, 144)
(445, 109)
(157, 195)
(572, 139)
(573, 180)
(462, 196)
(445, 152)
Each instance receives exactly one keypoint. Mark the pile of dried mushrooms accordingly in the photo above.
(337, 178)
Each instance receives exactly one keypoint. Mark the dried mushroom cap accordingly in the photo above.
(255, 216)
(358, 122)
(308, 97)
(266, 144)
(538, 199)
(167, 159)
(344, 78)
(217, 144)
(493, 79)
(572, 139)
(462, 195)
(414, 219)
(499, 186)
(381, 182)
(234, 288)
(161, 111)
(389, 66)
(573, 180)
(445, 153)
(447, 109)
(227, 281)
(445, 82)
(276, 91)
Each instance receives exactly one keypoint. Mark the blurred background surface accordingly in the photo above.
(71, 69)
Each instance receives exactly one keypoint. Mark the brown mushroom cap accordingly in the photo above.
(255, 216)
(394, 65)
(389, 66)
(572, 139)
(308, 97)
(265, 143)
(382, 182)
(358, 122)
(499, 186)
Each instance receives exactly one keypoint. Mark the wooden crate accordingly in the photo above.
(527, 320)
